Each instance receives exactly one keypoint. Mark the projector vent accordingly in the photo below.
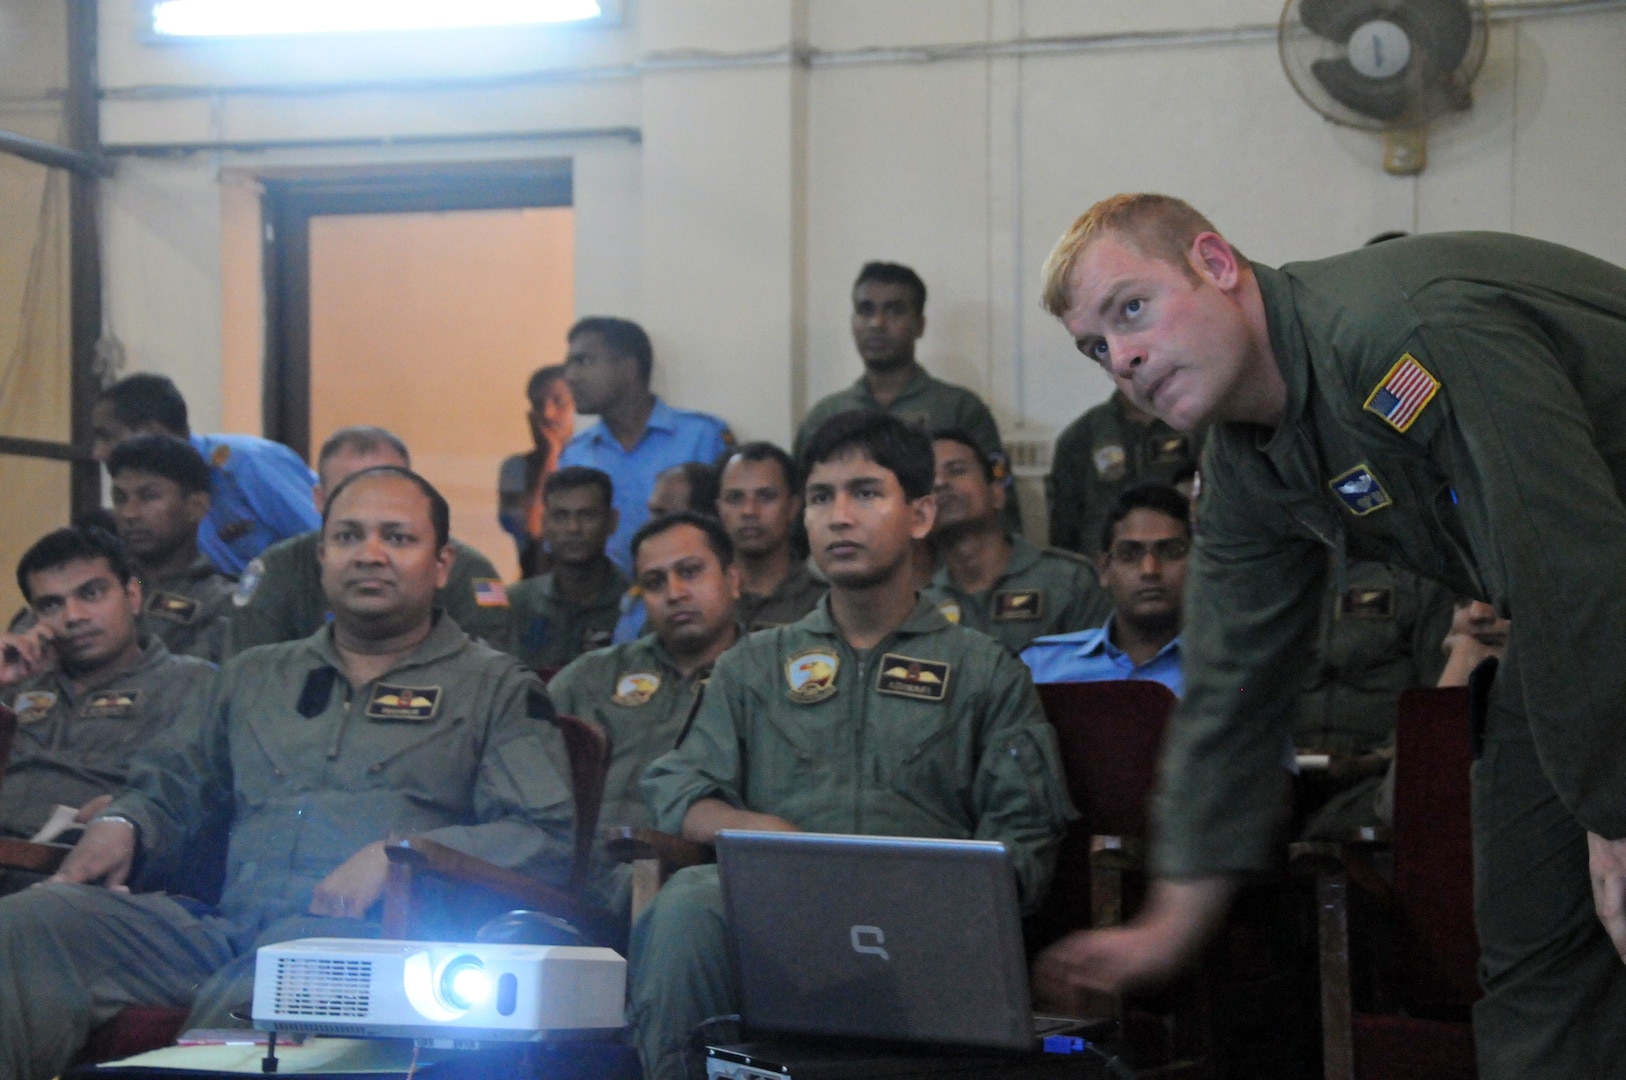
(325, 988)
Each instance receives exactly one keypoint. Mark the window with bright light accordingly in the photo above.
(245, 18)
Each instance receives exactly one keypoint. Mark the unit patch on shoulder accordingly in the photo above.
(408, 704)
(1018, 605)
(904, 676)
(111, 705)
(950, 611)
(489, 592)
(635, 689)
(811, 675)
(1367, 604)
(221, 455)
(174, 606)
(1111, 463)
(247, 582)
(1359, 490)
(1403, 394)
(33, 706)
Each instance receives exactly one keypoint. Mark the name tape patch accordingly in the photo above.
(411, 704)
(1018, 605)
(905, 676)
(1367, 604)
(173, 606)
(111, 705)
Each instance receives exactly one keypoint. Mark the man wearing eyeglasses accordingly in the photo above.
(1143, 568)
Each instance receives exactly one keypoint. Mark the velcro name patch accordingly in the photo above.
(175, 607)
(111, 705)
(403, 704)
(1367, 604)
(1018, 605)
(907, 677)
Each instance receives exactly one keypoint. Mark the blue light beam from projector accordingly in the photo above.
(245, 18)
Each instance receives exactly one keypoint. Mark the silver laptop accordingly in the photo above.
(881, 938)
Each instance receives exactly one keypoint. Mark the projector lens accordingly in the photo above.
(464, 984)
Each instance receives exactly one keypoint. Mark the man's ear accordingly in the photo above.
(133, 592)
(444, 559)
(1213, 258)
(922, 516)
(735, 582)
(198, 504)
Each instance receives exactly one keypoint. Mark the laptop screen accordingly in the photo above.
(876, 937)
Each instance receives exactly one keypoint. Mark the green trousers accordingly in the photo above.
(72, 956)
(679, 968)
(1555, 989)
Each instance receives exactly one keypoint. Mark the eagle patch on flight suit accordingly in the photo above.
(1111, 463)
(411, 704)
(111, 705)
(33, 706)
(1018, 605)
(1359, 490)
(248, 582)
(635, 689)
(173, 606)
(811, 675)
(950, 610)
(1367, 604)
(907, 677)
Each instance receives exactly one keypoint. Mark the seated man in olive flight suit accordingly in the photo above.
(388, 721)
(874, 714)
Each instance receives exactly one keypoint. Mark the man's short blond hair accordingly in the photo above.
(1157, 226)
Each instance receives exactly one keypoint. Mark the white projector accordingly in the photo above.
(450, 994)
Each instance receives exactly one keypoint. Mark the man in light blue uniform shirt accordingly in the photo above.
(260, 490)
(1143, 568)
(638, 436)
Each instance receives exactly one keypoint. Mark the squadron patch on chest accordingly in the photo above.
(247, 583)
(635, 689)
(1018, 605)
(1359, 490)
(1111, 463)
(1367, 604)
(905, 676)
(111, 705)
(1403, 394)
(950, 611)
(33, 706)
(175, 607)
(811, 675)
(403, 704)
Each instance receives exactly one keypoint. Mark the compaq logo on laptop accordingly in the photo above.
(869, 939)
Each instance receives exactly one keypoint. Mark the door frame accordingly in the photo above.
(288, 205)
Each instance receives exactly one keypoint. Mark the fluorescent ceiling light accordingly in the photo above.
(238, 18)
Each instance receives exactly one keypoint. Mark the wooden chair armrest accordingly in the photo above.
(32, 857)
(418, 856)
(1319, 858)
(1117, 867)
(626, 844)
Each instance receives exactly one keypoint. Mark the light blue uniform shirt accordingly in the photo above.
(672, 437)
(262, 494)
(1090, 656)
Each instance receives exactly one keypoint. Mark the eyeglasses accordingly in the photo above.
(1133, 552)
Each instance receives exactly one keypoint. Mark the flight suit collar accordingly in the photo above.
(921, 383)
(1024, 557)
(153, 653)
(445, 638)
(924, 619)
(200, 569)
(661, 418)
(1291, 352)
(609, 596)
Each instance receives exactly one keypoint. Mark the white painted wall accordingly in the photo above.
(733, 230)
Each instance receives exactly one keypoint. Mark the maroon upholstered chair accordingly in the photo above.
(1420, 988)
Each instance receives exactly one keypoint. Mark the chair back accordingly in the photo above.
(588, 747)
(1110, 735)
(1433, 852)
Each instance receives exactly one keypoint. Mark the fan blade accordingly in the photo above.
(1337, 19)
(1380, 99)
(1441, 29)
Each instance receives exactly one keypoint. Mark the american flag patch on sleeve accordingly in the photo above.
(489, 592)
(1400, 398)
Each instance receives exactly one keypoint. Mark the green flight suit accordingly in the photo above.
(637, 695)
(1042, 591)
(1455, 404)
(451, 743)
(1101, 455)
(1377, 636)
(189, 611)
(793, 598)
(279, 596)
(932, 404)
(72, 746)
(549, 631)
(936, 731)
